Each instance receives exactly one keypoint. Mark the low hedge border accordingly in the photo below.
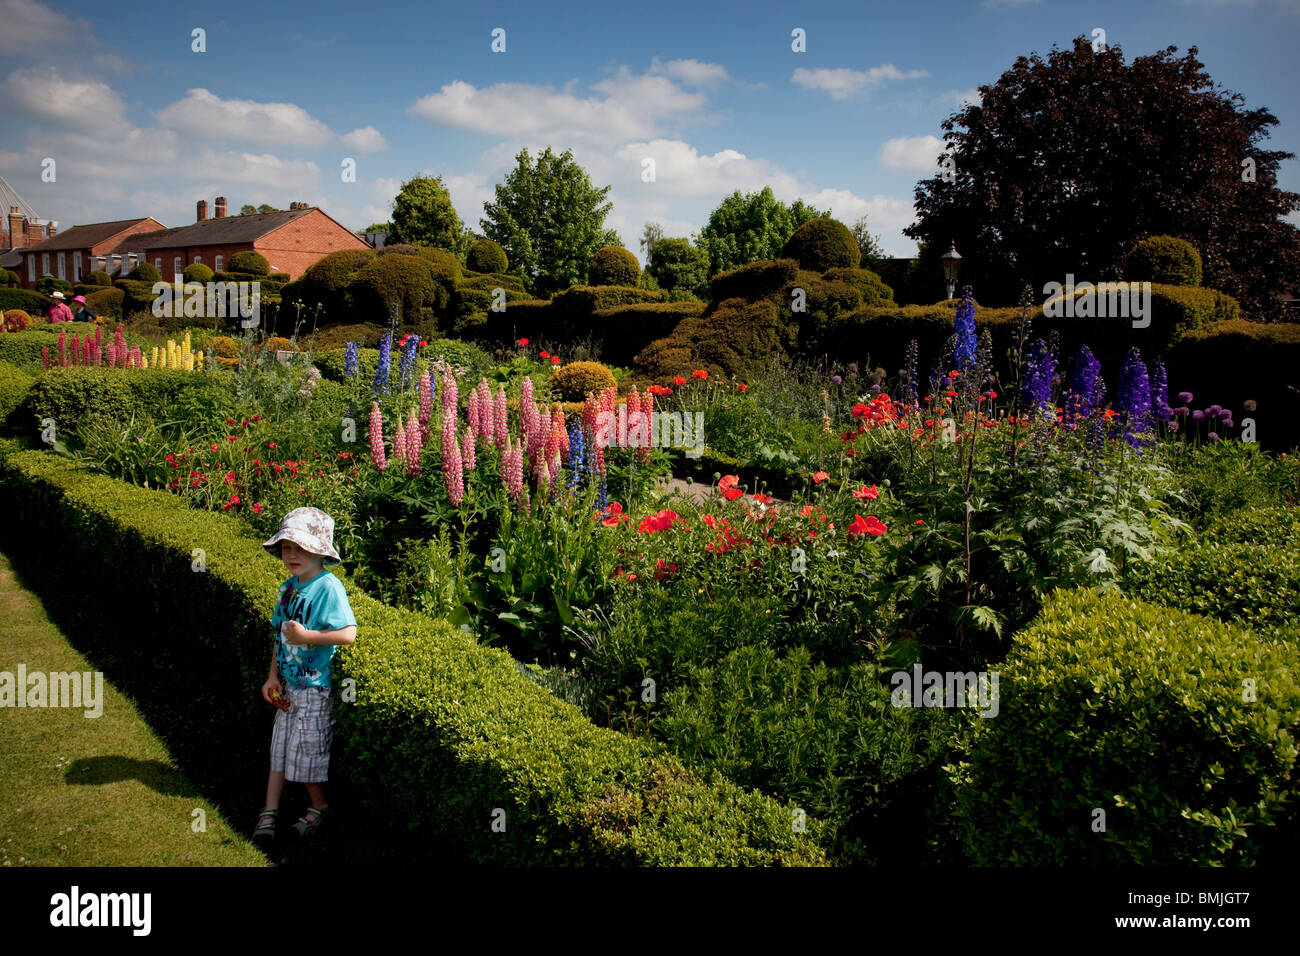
(444, 732)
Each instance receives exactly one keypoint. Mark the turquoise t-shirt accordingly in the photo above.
(319, 605)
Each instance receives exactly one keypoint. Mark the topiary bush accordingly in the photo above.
(753, 281)
(47, 284)
(613, 265)
(15, 320)
(1142, 712)
(197, 272)
(447, 269)
(30, 302)
(99, 277)
(395, 280)
(9, 278)
(1164, 259)
(575, 380)
(246, 260)
(822, 244)
(145, 272)
(755, 333)
(484, 255)
(15, 383)
(399, 248)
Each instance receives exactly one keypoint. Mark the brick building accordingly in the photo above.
(291, 241)
(114, 247)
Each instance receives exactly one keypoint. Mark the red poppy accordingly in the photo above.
(678, 380)
(819, 477)
(271, 445)
(523, 342)
(423, 343)
(743, 387)
(660, 521)
(214, 447)
(664, 570)
(919, 521)
(699, 373)
(257, 507)
(762, 499)
(555, 360)
(543, 354)
(806, 511)
(613, 514)
(257, 417)
(860, 410)
(660, 391)
(230, 421)
(868, 525)
(864, 492)
(728, 481)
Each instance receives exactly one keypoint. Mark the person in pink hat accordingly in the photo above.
(312, 617)
(59, 312)
(83, 313)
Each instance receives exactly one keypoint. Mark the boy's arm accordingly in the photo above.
(343, 635)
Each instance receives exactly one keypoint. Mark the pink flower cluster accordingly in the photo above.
(377, 437)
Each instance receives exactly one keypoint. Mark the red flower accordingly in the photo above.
(659, 390)
(555, 360)
(699, 373)
(951, 394)
(613, 514)
(819, 477)
(660, 521)
(271, 445)
(214, 447)
(232, 438)
(728, 481)
(762, 499)
(806, 511)
(868, 525)
(523, 342)
(860, 410)
(919, 521)
(257, 417)
(423, 343)
(230, 421)
(678, 380)
(865, 492)
(664, 570)
(543, 354)
(743, 387)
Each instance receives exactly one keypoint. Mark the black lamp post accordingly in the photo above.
(951, 266)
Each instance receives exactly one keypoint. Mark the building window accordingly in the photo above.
(45, 263)
(198, 259)
(63, 266)
(126, 265)
(76, 266)
(176, 266)
(157, 264)
(31, 268)
(216, 264)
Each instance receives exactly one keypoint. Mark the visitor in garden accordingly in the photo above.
(59, 312)
(83, 313)
(312, 617)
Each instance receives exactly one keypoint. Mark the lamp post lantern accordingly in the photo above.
(951, 266)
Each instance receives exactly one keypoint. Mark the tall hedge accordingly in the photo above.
(821, 244)
(1164, 259)
(754, 281)
(393, 280)
(444, 735)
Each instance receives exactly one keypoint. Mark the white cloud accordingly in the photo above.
(85, 105)
(261, 169)
(207, 115)
(367, 139)
(28, 26)
(912, 152)
(842, 83)
(691, 72)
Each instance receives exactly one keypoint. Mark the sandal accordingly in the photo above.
(266, 830)
(310, 827)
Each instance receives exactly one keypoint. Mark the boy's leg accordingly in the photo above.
(317, 793)
(274, 788)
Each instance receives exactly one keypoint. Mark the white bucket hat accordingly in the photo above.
(56, 294)
(309, 528)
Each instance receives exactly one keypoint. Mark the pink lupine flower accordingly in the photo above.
(45, 356)
(512, 469)
(470, 442)
(452, 470)
(486, 421)
(63, 342)
(99, 338)
(499, 433)
(377, 436)
(450, 394)
(557, 421)
(426, 403)
(474, 411)
(399, 443)
(552, 451)
(648, 410)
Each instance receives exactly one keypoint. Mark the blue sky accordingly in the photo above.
(141, 124)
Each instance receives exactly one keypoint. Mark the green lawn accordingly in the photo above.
(78, 791)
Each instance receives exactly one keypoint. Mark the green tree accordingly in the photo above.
(651, 234)
(754, 226)
(424, 216)
(549, 219)
(248, 209)
(1070, 160)
(676, 264)
(872, 251)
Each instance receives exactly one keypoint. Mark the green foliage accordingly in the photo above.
(572, 309)
(1138, 711)
(30, 302)
(145, 272)
(446, 267)
(624, 330)
(549, 219)
(752, 227)
(47, 284)
(23, 349)
(486, 256)
(613, 265)
(575, 380)
(249, 261)
(107, 302)
(197, 272)
(326, 282)
(15, 383)
(423, 214)
(69, 394)
(869, 285)
(9, 278)
(757, 280)
(821, 244)
(739, 338)
(99, 277)
(1164, 259)
(869, 246)
(676, 264)
(338, 336)
(387, 281)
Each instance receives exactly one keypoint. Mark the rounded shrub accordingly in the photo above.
(9, 278)
(107, 302)
(99, 277)
(1141, 712)
(197, 272)
(226, 349)
(278, 343)
(446, 267)
(248, 261)
(47, 284)
(1164, 259)
(486, 256)
(575, 380)
(15, 320)
(145, 272)
(822, 244)
(399, 248)
(613, 265)
(406, 281)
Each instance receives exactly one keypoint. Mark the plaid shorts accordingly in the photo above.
(301, 738)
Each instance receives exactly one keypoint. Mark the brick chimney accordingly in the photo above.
(52, 230)
(221, 207)
(201, 213)
(34, 234)
(17, 238)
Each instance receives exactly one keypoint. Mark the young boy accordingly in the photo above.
(311, 618)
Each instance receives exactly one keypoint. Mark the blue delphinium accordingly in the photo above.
(410, 346)
(911, 392)
(1086, 389)
(1039, 375)
(963, 352)
(1160, 393)
(1133, 397)
(350, 360)
(385, 361)
(576, 453)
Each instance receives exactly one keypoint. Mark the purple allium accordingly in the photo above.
(1184, 411)
(1086, 388)
(1160, 393)
(1227, 423)
(837, 380)
(963, 353)
(1214, 411)
(1039, 375)
(1198, 416)
(1186, 397)
(1212, 437)
(875, 388)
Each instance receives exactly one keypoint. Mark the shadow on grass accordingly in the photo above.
(154, 774)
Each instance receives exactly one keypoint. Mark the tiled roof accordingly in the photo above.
(86, 237)
(227, 231)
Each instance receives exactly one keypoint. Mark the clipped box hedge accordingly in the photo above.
(1142, 712)
(24, 348)
(443, 732)
(755, 280)
(624, 330)
(33, 303)
(66, 394)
